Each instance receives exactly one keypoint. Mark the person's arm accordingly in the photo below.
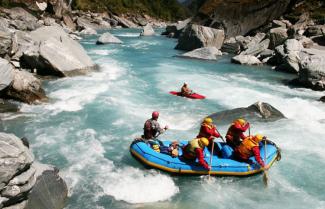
(241, 128)
(242, 135)
(215, 133)
(200, 156)
(257, 156)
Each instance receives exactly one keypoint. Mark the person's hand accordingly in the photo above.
(209, 168)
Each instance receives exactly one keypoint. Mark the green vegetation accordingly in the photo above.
(164, 9)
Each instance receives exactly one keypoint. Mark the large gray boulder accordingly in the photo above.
(6, 74)
(277, 37)
(124, 22)
(20, 42)
(174, 30)
(21, 19)
(257, 48)
(246, 60)
(15, 158)
(107, 38)
(26, 88)
(197, 36)
(57, 54)
(25, 184)
(147, 31)
(260, 111)
(312, 72)
(231, 46)
(206, 53)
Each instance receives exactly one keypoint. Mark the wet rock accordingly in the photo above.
(174, 30)
(206, 53)
(47, 179)
(197, 36)
(6, 106)
(147, 31)
(246, 60)
(26, 88)
(322, 99)
(57, 54)
(20, 205)
(277, 37)
(260, 112)
(6, 74)
(108, 38)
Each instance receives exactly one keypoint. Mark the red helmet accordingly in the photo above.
(155, 115)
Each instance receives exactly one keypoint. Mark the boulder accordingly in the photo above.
(56, 54)
(6, 74)
(315, 30)
(21, 19)
(88, 31)
(4, 25)
(197, 36)
(6, 106)
(26, 88)
(322, 99)
(48, 21)
(174, 30)
(20, 42)
(50, 191)
(312, 72)
(257, 48)
(241, 16)
(107, 38)
(265, 54)
(246, 60)
(26, 184)
(15, 158)
(260, 112)
(5, 42)
(277, 37)
(278, 24)
(231, 46)
(147, 31)
(206, 53)
(140, 21)
(124, 22)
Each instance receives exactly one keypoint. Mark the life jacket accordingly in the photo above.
(192, 145)
(245, 148)
(203, 133)
(233, 132)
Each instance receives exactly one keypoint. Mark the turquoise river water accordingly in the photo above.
(86, 129)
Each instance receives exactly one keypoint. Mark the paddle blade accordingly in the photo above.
(265, 179)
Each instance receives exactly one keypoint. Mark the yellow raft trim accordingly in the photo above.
(178, 171)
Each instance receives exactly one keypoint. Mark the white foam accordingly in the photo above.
(136, 186)
(103, 52)
(127, 35)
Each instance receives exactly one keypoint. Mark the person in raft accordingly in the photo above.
(152, 128)
(250, 147)
(194, 149)
(208, 130)
(185, 90)
(236, 131)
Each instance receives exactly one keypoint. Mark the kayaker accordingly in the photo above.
(236, 131)
(194, 149)
(250, 147)
(152, 128)
(208, 130)
(185, 90)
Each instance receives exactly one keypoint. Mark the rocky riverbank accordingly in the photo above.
(296, 47)
(23, 181)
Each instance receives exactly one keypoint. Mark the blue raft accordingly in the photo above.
(220, 165)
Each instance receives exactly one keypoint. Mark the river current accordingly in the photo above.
(87, 126)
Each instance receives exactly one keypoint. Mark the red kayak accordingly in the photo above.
(191, 96)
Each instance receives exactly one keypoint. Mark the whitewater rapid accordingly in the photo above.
(90, 121)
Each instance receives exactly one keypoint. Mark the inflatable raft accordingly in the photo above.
(191, 96)
(220, 165)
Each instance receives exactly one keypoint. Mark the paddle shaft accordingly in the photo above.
(211, 155)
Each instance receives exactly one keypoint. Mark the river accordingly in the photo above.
(87, 126)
